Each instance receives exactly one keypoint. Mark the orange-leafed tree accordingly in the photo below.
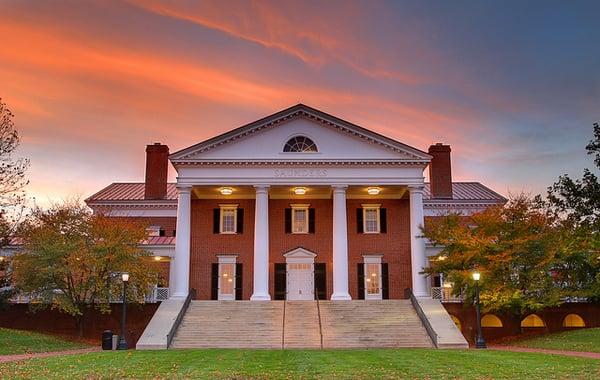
(515, 247)
(72, 260)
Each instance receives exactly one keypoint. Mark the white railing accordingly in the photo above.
(444, 294)
(157, 295)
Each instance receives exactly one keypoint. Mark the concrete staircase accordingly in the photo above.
(231, 324)
(366, 324)
(301, 324)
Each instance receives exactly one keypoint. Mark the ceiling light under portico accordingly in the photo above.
(299, 190)
(226, 191)
(373, 190)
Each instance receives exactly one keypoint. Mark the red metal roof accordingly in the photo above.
(469, 191)
(462, 191)
(159, 240)
(121, 191)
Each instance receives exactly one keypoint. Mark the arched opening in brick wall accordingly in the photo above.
(532, 320)
(490, 320)
(573, 320)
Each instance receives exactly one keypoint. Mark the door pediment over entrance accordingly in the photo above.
(300, 255)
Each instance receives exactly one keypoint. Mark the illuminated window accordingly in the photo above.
(490, 320)
(228, 223)
(372, 273)
(153, 231)
(532, 320)
(371, 219)
(300, 144)
(573, 320)
(227, 277)
(300, 218)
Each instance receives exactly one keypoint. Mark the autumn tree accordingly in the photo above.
(515, 247)
(71, 260)
(577, 201)
(12, 183)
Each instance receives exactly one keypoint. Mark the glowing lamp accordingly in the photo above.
(156, 258)
(476, 276)
(300, 190)
(226, 190)
(373, 190)
(125, 276)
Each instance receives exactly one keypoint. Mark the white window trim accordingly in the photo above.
(371, 206)
(153, 231)
(228, 207)
(300, 206)
(373, 259)
(227, 259)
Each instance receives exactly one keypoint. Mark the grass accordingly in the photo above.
(278, 364)
(22, 342)
(587, 340)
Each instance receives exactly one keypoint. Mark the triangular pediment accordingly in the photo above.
(300, 253)
(265, 139)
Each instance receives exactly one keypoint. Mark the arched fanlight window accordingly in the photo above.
(300, 144)
(456, 322)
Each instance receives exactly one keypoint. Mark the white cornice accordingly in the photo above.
(418, 163)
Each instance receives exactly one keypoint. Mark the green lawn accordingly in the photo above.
(574, 340)
(21, 342)
(277, 364)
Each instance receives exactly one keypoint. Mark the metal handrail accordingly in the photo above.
(319, 315)
(432, 334)
(186, 304)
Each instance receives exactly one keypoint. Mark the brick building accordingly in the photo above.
(293, 206)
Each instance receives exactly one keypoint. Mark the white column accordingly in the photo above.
(261, 245)
(417, 243)
(340, 244)
(182, 244)
(172, 276)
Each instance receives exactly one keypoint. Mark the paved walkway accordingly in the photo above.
(13, 358)
(592, 355)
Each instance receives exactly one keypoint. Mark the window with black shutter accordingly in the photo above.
(240, 221)
(359, 220)
(321, 280)
(382, 220)
(239, 294)
(311, 220)
(360, 269)
(280, 281)
(216, 220)
(385, 282)
(214, 282)
(288, 220)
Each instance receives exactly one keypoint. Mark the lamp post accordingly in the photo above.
(479, 341)
(122, 341)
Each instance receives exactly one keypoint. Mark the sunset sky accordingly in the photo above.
(514, 87)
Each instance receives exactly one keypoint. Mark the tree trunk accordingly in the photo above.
(79, 325)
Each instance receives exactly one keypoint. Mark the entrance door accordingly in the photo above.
(373, 289)
(300, 282)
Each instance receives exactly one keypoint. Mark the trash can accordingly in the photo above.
(107, 336)
(115, 342)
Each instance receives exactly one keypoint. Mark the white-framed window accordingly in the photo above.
(228, 219)
(227, 277)
(371, 219)
(300, 218)
(373, 282)
(153, 230)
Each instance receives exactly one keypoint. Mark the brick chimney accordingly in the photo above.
(440, 171)
(157, 168)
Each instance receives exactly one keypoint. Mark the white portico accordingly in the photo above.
(299, 147)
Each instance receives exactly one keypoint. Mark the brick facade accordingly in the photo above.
(394, 245)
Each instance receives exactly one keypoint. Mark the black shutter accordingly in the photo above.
(280, 280)
(359, 220)
(311, 220)
(382, 220)
(216, 220)
(361, 281)
(214, 282)
(238, 281)
(385, 282)
(288, 220)
(240, 221)
(320, 280)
